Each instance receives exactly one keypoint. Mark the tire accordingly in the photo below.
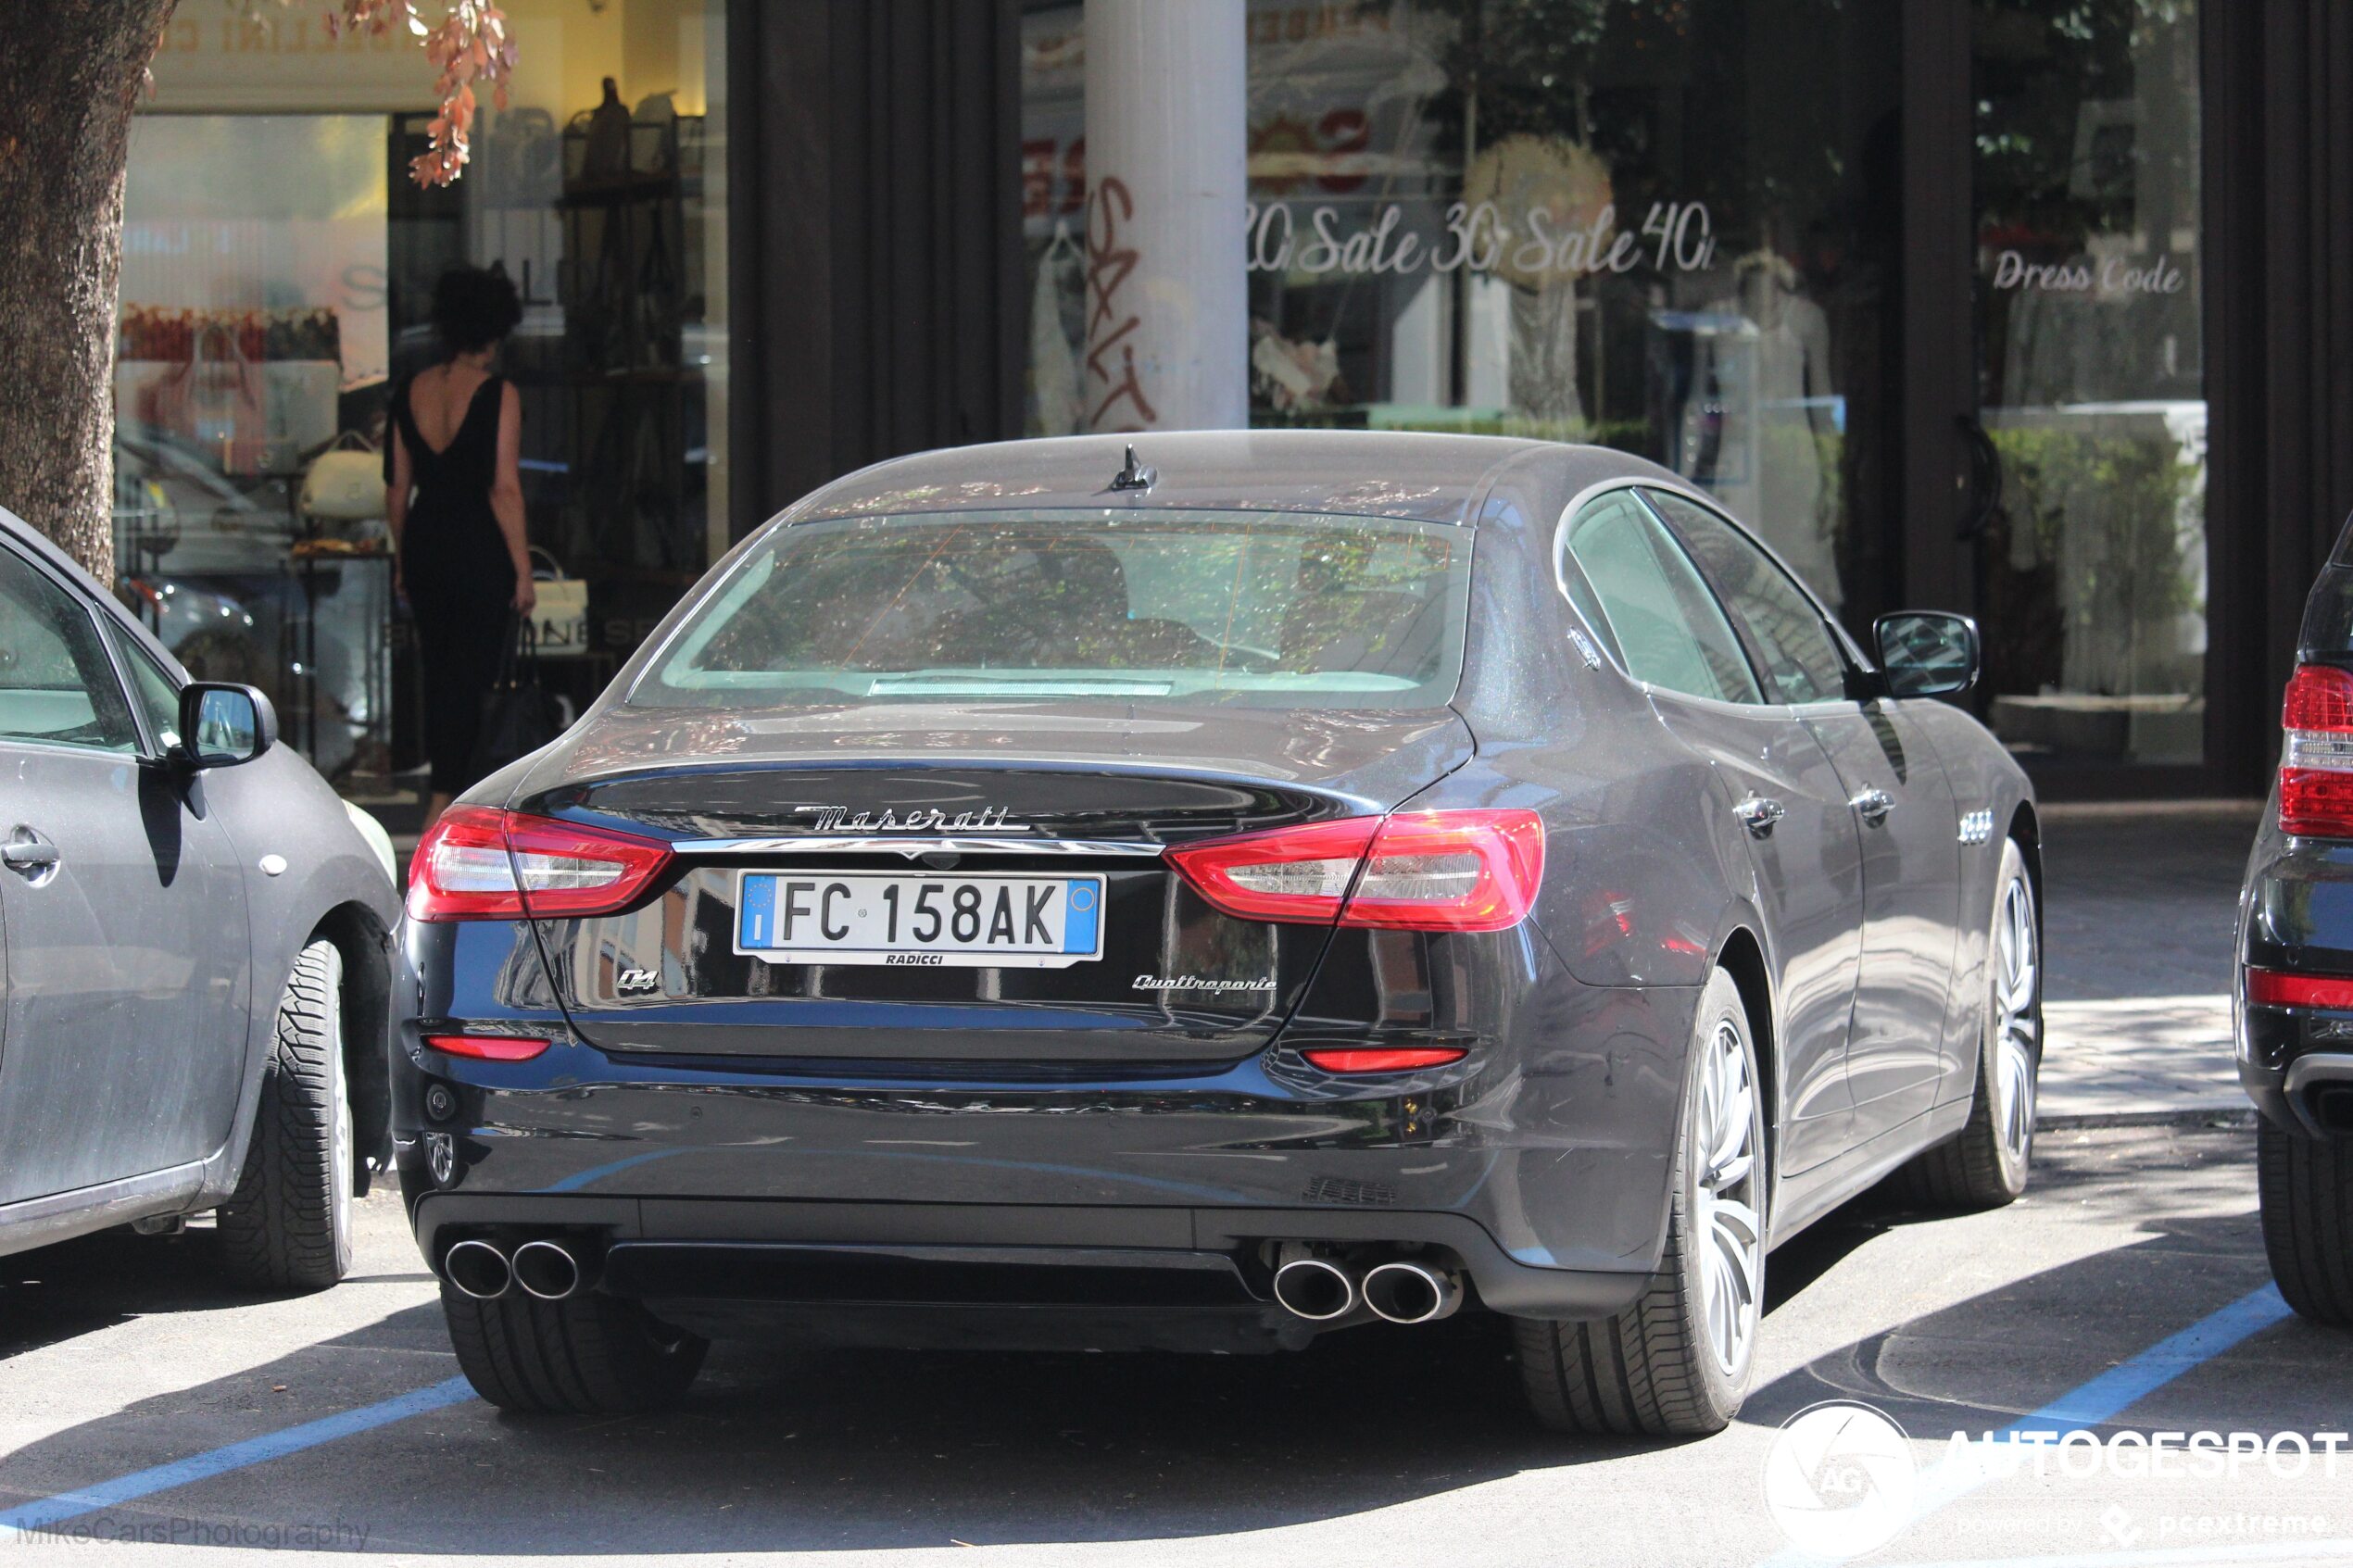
(1987, 1163)
(585, 1355)
(288, 1224)
(2306, 1189)
(1661, 1368)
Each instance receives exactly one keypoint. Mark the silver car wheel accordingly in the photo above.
(2018, 1024)
(343, 1167)
(1730, 1237)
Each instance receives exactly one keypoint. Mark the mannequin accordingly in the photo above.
(1794, 502)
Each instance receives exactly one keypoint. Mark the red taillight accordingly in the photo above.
(2316, 759)
(1396, 1060)
(1451, 871)
(1473, 869)
(480, 864)
(1298, 873)
(2276, 988)
(490, 1047)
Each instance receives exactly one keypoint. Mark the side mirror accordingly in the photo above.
(1927, 652)
(222, 725)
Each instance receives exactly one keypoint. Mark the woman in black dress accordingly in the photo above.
(454, 499)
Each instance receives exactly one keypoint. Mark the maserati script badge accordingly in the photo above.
(840, 818)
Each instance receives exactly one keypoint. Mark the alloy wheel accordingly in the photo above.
(1728, 1232)
(342, 1163)
(2017, 1018)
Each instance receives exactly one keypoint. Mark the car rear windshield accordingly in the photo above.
(1276, 609)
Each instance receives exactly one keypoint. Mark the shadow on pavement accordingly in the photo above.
(61, 1292)
(778, 1450)
(1980, 1364)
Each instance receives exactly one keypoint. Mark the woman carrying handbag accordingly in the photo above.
(454, 501)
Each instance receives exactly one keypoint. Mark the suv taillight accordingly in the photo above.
(2316, 760)
(1473, 869)
(480, 864)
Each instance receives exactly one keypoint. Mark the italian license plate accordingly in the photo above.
(924, 922)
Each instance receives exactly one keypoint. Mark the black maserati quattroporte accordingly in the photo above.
(1209, 895)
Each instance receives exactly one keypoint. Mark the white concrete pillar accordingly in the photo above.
(1167, 312)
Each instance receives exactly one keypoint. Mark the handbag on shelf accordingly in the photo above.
(517, 717)
(559, 619)
(214, 400)
(346, 482)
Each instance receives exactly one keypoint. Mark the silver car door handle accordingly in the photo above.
(1873, 805)
(1758, 813)
(28, 851)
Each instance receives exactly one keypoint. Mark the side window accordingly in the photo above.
(56, 683)
(155, 691)
(1581, 596)
(1801, 662)
(1666, 625)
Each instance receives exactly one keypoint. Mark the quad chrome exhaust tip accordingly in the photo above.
(1315, 1289)
(547, 1269)
(1409, 1293)
(477, 1269)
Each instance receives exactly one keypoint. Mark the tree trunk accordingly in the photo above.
(71, 73)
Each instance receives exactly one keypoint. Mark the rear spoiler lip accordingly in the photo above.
(914, 846)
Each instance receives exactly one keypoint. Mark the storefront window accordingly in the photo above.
(278, 272)
(2091, 377)
(1668, 226)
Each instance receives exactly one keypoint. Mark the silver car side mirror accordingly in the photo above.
(221, 726)
(1927, 652)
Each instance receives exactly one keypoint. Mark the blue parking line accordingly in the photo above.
(2100, 1401)
(2108, 1396)
(46, 1513)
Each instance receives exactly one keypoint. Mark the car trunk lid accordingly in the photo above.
(1057, 794)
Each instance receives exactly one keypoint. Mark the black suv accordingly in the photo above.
(2295, 1033)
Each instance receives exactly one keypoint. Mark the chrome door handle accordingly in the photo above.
(1758, 813)
(1873, 805)
(28, 851)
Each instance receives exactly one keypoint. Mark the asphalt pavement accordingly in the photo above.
(179, 1411)
(2140, 911)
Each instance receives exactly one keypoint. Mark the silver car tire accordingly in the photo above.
(288, 1225)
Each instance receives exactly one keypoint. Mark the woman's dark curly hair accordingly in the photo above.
(473, 308)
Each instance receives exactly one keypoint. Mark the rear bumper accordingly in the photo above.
(1548, 1215)
(1541, 1174)
(685, 1254)
(2297, 916)
(1538, 1165)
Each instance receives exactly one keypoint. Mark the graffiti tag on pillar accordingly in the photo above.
(1111, 324)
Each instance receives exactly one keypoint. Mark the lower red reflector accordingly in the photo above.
(2275, 988)
(1400, 1061)
(488, 1047)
